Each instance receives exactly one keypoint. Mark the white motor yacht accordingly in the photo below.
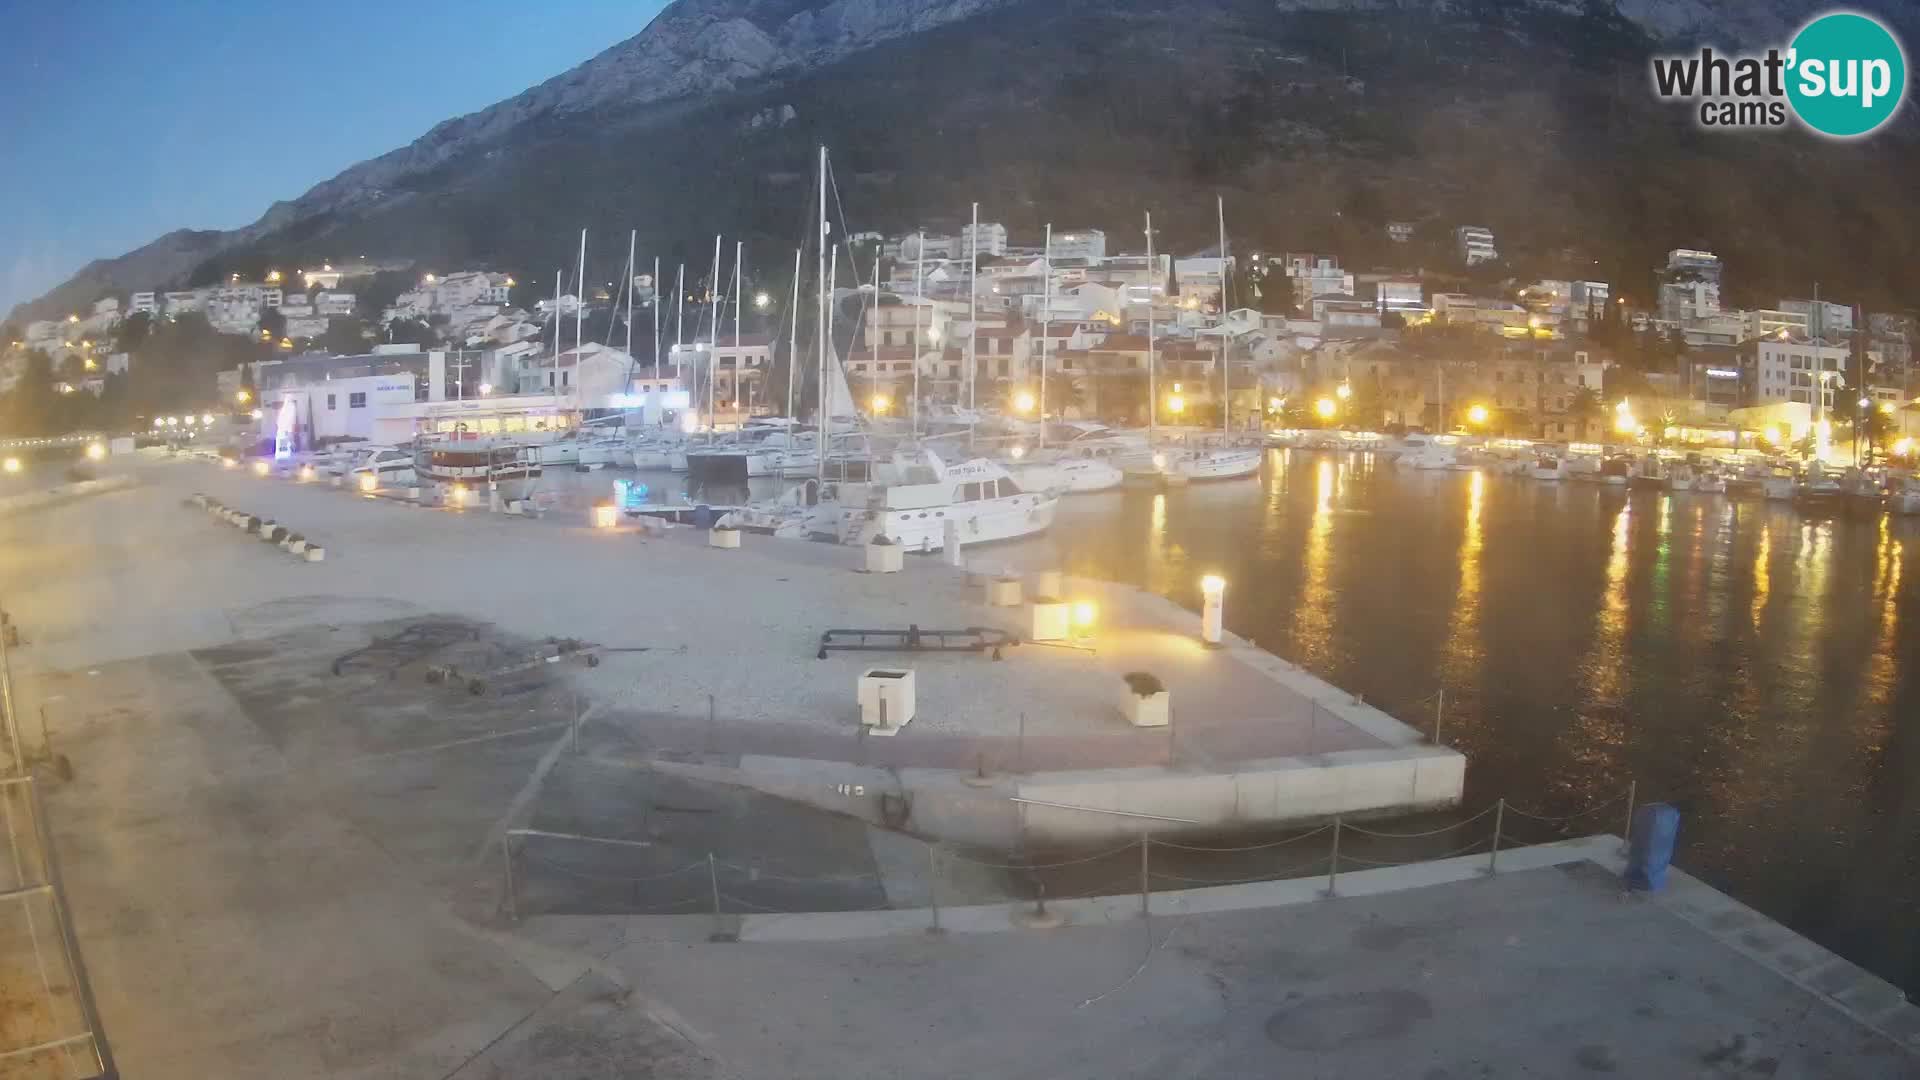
(1551, 468)
(390, 466)
(1427, 453)
(912, 501)
(1063, 475)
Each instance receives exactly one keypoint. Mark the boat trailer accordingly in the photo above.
(973, 639)
(554, 651)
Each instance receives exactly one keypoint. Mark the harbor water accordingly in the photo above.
(1756, 667)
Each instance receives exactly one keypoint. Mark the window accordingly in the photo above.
(330, 403)
(969, 492)
(356, 401)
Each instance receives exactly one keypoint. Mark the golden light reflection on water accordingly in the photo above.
(1461, 665)
(1881, 674)
(1762, 576)
(1313, 611)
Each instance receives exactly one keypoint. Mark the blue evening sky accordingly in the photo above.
(121, 120)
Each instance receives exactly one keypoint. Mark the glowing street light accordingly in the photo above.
(243, 397)
(485, 389)
(761, 300)
(1326, 407)
(1477, 414)
(880, 404)
(1023, 401)
(1176, 404)
(256, 414)
(260, 467)
(12, 465)
(1343, 391)
(159, 422)
(1085, 613)
(95, 451)
(206, 419)
(1275, 404)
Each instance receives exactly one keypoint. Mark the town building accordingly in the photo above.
(1089, 245)
(1474, 244)
(143, 301)
(1796, 369)
(1315, 275)
(1823, 318)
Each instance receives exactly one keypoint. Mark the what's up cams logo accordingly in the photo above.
(1843, 75)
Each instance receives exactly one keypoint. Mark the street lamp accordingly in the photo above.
(1477, 414)
(1176, 404)
(243, 397)
(761, 300)
(1343, 391)
(1326, 407)
(1023, 401)
(880, 404)
(485, 389)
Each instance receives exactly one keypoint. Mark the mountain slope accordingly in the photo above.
(1318, 118)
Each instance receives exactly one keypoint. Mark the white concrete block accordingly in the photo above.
(886, 697)
(885, 558)
(316, 554)
(1003, 592)
(1052, 621)
(1152, 710)
(723, 538)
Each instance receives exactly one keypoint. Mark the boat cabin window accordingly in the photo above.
(969, 492)
(1007, 487)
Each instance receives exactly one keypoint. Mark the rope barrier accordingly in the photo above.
(1418, 835)
(1346, 858)
(1512, 809)
(1131, 845)
(585, 876)
(1248, 847)
(754, 873)
(1280, 874)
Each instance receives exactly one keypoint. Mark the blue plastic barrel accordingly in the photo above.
(1656, 826)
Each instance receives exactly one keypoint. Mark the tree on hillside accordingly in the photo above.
(409, 332)
(132, 332)
(1584, 408)
(345, 336)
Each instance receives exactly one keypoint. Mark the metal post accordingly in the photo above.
(1020, 747)
(933, 884)
(713, 879)
(1499, 818)
(1146, 881)
(573, 708)
(6, 702)
(1439, 711)
(709, 748)
(1626, 835)
(1333, 863)
(63, 922)
(506, 862)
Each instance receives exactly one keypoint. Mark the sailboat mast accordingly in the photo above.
(580, 310)
(713, 331)
(553, 377)
(1226, 368)
(919, 277)
(739, 375)
(1046, 327)
(973, 318)
(633, 236)
(793, 335)
(679, 318)
(654, 302)
(820, 325)
(1153, 271)
(873, 356)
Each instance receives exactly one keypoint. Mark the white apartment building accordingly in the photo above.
(1315, 275)
(233, 314)
(1682, 302)
(179, 303)
(307, 326)
(143, 301)
(1475, 244)
(989, 236)
(1822, 318)
(1690, 262)
(333, 303)
(1400, 232)
(1589, 299)
(300, 310)
(1087, 244)
(1770, 322)
(1791, 369)
(1402, 297)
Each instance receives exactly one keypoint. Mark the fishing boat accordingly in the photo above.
(1749, 479)
(1426, 453)
(1616, 470)
(912, 501)
(509, 468)
(1903, 493)
(1551, 468)
(1649, 474)
(1695, 476)
(1203, 465)
(1819, 488)
(1780, 482)
(1866, 490)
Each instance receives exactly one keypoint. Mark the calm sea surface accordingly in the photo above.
(1757, 668)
